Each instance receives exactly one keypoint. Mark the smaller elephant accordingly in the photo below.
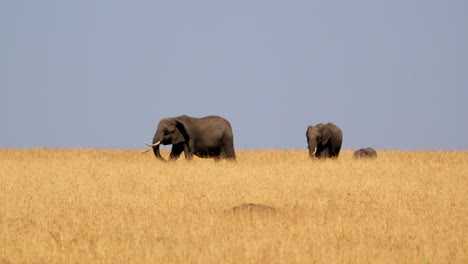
(324, 140)
(365, 153)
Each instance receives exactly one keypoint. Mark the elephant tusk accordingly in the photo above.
(144, 151)
(315, 150)
(152, 145)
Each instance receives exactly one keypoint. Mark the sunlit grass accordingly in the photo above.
(112, 206)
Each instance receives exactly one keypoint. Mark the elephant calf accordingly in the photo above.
(324, 140)
(207, 137)
(365, 153)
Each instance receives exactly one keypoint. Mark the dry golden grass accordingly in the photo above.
(111, 206)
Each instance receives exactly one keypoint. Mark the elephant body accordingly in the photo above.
(324, 140)
(365, 153)
(207, 137)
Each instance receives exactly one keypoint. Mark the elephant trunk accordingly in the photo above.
(157, 153)
(312, 149)
(155, 146)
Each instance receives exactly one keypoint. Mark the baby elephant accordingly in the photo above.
(365, 153)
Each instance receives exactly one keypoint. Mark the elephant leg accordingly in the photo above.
(217, 154)
(335, 151)
(176, 151)
(325, 153)
(187, 152)
(222, 152)
(227, 150)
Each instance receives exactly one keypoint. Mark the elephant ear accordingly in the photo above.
(182, 133)
(307, 133)
(326, 135)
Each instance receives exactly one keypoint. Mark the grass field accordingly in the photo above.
(120, 206)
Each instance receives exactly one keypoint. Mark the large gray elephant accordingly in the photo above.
(207, 137)
(365, 153)
(324, 140)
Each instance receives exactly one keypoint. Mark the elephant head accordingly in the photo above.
(317, 137)
(170, 131)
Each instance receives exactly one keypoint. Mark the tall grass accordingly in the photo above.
(113, 206)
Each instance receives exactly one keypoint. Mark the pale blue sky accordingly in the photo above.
(101, 74)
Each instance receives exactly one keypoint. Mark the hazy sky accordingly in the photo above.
(101, 74)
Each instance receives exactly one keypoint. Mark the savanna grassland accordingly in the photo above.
(121, 206)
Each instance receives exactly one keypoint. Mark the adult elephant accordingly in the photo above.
(365, 153)
(324, 140)
(207, 137)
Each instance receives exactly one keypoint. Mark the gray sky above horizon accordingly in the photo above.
(101, 74)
